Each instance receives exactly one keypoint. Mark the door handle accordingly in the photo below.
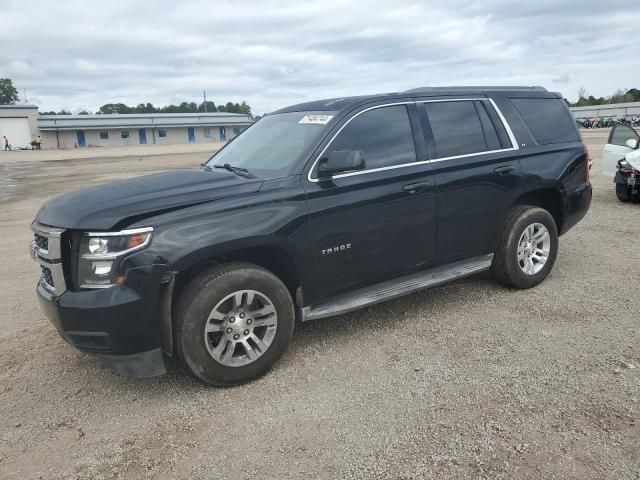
(416, 187)
(504, 170)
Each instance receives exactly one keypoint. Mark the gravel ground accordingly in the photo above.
(467, 380)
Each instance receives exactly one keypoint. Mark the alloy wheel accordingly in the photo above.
(240, 328)
(534, 247)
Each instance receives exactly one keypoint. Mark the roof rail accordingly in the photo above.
(477, 89)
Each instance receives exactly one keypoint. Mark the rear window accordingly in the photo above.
(547, 119)
(456, 128)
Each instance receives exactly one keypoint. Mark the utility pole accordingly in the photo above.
(25, 94)
(204, 94)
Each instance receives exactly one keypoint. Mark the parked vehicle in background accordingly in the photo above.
(316, 210)
(595, 122)
(621, 160)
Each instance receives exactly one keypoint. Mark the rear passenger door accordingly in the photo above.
(474, 158)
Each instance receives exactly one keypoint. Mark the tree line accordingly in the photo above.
(184, 107)
(619, 96)
(9, 96)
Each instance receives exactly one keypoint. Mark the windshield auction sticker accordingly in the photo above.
(316, 119)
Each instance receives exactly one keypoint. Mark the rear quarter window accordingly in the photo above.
(548, 119)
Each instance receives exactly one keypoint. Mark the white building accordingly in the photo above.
(19, 124)
(77, 131)
(613, 110)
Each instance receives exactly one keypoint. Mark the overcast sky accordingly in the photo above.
(81, 54)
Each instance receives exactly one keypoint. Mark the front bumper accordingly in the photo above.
(122, 325)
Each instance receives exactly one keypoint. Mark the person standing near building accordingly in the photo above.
(6, 143)
(38, 142)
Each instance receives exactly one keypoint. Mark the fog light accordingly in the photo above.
(101, 268)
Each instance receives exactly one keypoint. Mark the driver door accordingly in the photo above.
(616, 147)
(379, 222)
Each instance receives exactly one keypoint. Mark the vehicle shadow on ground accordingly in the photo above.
(343, 328)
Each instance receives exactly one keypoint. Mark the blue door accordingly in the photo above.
(223, 134)
(142, 134)
(192, 134)
(81, 140)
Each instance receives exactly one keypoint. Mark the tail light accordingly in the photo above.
(587, 160)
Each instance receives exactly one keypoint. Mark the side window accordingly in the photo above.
(548, 119)
(490, 134)
(621, 133)
(382, 134)
(456, 128)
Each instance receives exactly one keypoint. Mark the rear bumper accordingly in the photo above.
(578, 201)
(121, 325)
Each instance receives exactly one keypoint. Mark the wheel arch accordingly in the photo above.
(549, 198)
(277, 257)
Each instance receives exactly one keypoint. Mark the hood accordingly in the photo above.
(104, 206)
(633, 158)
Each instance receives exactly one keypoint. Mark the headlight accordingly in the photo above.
(100, 254)
(623, 164)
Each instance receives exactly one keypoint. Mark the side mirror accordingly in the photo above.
(339, 161)
(632, 143)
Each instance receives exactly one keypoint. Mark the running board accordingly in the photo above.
(391, 289)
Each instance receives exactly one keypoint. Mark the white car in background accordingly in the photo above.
(621, 160)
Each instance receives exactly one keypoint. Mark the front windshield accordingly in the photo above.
(274, 144)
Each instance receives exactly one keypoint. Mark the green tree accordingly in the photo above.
(116, 108)
(184, 107)
(211, 107)
(8, 93)
(635, 94)
(244, 108)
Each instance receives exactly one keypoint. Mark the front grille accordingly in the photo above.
(46, 249)
(47, 277)
(42, 242)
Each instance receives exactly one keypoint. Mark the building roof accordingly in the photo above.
(19, 106)
(141, 120)
(339, 104)
(606, 106)
(125, 116)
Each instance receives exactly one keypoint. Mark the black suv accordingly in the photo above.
(316, 210)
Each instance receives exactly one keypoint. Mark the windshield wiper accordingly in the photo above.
(242, 172)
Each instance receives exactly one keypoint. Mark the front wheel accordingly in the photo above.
(233, 323)
(527, 249)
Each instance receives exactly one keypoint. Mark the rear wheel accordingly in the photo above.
(233, 323)
(623, 192)
(528, 247)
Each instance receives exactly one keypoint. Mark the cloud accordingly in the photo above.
(562, 79)
(274, 53)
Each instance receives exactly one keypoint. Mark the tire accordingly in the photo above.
(622, 192)
(202, 352)
(513, 257)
